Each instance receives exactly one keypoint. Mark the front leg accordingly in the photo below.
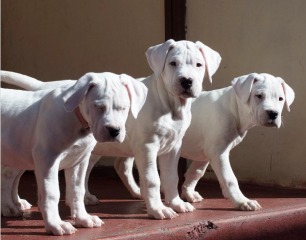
(46, 172)
(75, 191)
(145, 159)
(168, 164)
(194, 173)
(229, 184)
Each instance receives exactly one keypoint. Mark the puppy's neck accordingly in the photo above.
(82, 117)
(244, 120)
(177, 106)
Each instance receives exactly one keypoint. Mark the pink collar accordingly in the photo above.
(81, 118)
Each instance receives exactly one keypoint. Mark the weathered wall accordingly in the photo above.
(260, 36)
(56, 39)
(64, 39)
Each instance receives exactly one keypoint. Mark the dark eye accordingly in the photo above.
(199, 65)
(101, 107)
(280, 99)
(259, 96)
(173, 64)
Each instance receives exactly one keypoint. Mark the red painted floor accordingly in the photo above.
(283, 215)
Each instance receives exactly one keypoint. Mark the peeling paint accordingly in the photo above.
(199, 230)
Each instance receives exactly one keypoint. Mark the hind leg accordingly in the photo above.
(124, 168)
(90, 199)
(192, 176)
(8, 176)
(22, 203)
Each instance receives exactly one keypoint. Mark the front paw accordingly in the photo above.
(10, 210)
(90, 199)
(88, 221)
(247, 205)
(179, 205)
(60, 228)
(162, 212)
(191, 195)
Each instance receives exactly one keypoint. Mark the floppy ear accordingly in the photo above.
(211, 57)
(156, 56)
(289, 93)
(243, 86)
(75, 94)
(137, 93)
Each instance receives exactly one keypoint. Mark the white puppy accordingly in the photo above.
(57, 129)
(220, 121)
(179, 69)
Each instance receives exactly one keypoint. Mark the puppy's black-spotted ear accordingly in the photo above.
(243, 86)
(137, 93)
(289, 93)
(212, 59)
(156, 56)
(75, 94)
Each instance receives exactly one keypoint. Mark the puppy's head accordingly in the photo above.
(182, 66)
(105, 100)
(265, 96)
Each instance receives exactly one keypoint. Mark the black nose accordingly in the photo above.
(272, 114)
(186, 83)
(114, 131)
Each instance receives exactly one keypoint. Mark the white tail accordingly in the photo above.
(29, 83)
(20, 80)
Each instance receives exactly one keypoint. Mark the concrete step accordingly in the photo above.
(283, 215)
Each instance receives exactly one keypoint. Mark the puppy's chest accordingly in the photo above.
(78, 151)
(170, 131)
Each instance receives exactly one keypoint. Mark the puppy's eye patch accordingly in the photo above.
(173, 63)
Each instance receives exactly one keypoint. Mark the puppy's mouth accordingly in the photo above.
(270, 123)
(109, 138)
(187, 93)
(105, 136)
(118, 139)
